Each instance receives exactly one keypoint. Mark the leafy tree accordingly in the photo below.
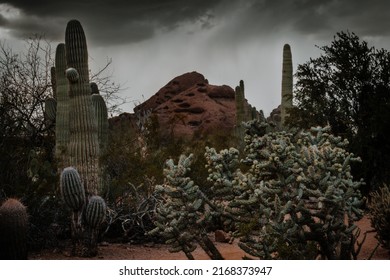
(348, 88)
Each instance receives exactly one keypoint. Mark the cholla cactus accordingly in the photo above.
(298, 198)
(13, 230)
(379, 208)
(183, 217)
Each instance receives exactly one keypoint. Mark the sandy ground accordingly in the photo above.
(115, 251)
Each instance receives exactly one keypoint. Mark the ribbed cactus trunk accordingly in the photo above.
(83, 144)
(62, 115)
(287, 83)
(240, 113)
(13, 230)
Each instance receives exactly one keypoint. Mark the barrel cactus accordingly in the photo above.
(13, 230)
(83, 144)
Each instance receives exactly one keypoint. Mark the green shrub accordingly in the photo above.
(379, 209)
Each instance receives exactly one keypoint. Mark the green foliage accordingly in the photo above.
(348, 88)
(296, 199)
(379, 209)
(299, 191)
(13, 230)
(182, 217)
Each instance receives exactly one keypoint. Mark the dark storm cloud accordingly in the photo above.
(123, 21)
(109, 22)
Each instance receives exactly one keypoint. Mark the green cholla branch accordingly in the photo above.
(287, 83)
(62, 115)
(13, 230)
(72, 189)
(83, 144)
(379, 208)
(182, 218)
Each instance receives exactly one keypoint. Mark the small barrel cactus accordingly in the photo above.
(95, 212)
(13, 230)
(72, 189)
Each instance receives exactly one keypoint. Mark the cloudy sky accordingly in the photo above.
(152, 41)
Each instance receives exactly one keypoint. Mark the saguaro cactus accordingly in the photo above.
(62, 116)
(73, 194)
(101, 116)
(83, 144)
(95, 214)
(287, 83)
(13, 230)
(50, 109)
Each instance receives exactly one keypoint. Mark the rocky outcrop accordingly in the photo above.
(201, 109)
(189, 106)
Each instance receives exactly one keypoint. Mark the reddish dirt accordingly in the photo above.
(228, 251)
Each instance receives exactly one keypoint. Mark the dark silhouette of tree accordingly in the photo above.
(348, 87)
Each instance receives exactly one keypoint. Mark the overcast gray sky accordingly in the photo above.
(152, 41)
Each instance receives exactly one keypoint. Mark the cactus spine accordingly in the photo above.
(83, 145)
(287, 83)
(13, 230)
(62, 116)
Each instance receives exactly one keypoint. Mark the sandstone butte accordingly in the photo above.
(186, 107)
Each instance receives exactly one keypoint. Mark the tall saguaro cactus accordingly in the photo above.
(287, 82)
(62, 115)
(83, 144)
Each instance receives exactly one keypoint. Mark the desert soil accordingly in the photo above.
(117, 251)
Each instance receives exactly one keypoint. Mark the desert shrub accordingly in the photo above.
(295, 199)
(379, 209)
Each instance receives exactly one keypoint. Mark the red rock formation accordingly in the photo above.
(174, 87)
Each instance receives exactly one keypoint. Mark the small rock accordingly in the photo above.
(221, 236)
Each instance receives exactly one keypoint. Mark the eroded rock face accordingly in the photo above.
(171, 89)
(199, 110)
(188, 106)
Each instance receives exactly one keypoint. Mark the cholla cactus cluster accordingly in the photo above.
(183, 217)
(296, 198)
(379, 209)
